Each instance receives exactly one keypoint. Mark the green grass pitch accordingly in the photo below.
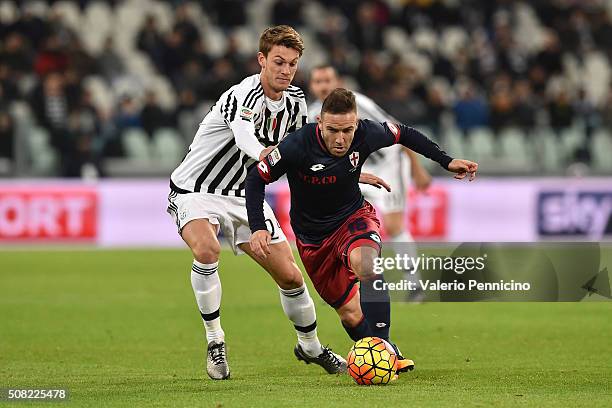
(120, 328)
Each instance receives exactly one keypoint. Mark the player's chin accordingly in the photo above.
(282, 84)
(338, 152)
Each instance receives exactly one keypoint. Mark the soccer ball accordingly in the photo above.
(371, 360)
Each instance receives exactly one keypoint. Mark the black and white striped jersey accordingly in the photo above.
(367, 109)
(233, 134)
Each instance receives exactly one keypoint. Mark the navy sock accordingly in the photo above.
(360, 331)
(376, 306)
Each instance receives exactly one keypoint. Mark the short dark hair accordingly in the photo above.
(340, 100)
(280, 35)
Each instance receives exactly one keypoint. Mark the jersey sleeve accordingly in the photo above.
(238, 108)
(379, 135)
(270, 169)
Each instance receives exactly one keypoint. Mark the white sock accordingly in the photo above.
(299, 308)
(207, 290)
(403, 244)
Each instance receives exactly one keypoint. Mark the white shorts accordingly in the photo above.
(229, 213)
(395, 170)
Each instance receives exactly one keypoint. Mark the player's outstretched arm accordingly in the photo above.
(463, 168)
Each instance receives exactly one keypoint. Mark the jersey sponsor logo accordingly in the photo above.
(324, 180)
(274, 157)
(246, 113)
(394, 129)
(263, 167)
(317, 167)
(354, 158)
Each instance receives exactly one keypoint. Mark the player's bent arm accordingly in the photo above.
(244, 134)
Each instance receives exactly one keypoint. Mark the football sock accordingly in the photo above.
(207, 290)
(360, 331)
(299, 308)
(376, 306)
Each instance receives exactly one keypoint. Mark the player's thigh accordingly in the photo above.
(280, 264)
(350, 312)
(201, 237)
(241, 233)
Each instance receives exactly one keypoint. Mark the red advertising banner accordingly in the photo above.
(428, 213)
(48, 214)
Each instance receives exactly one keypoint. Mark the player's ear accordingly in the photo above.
(261, 59)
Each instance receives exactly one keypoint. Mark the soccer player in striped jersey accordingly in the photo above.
(395, 164)
(207, 195)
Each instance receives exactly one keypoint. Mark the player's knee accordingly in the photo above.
(362, 263)
(206, 252)
(289, 279)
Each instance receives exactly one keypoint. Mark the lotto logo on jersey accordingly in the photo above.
(263, 167)
(428, 213)
(50, 214)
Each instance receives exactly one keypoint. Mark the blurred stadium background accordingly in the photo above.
(107, 91)
(100, 99)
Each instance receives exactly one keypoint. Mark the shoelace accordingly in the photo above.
(217, 353)
(328, 355)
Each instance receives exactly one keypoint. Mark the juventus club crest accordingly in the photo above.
(354, 158)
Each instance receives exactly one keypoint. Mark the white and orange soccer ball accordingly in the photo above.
(371, 361)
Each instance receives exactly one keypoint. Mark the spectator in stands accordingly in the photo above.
(152, 116)
(230, 13)
(150, 41)
(7, 129)
(30, 26)
(17, 55)
(371, 75)
(52, 57)
(502, 104)
(560, 110)
(365, 30)
(184, 25)
(110, 64)
(222, 77)
(84, 130)
(470, 110)
(606, 111)
(8, 83)
(436, 107)
(288, 12)
(404, 105)
(526, 106)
